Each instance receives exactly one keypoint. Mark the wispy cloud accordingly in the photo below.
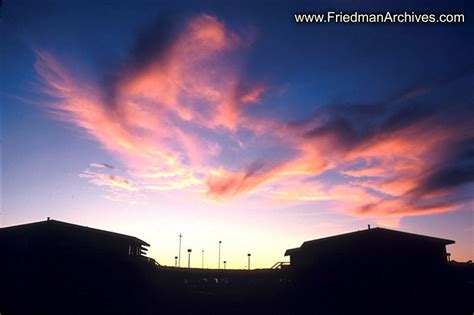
(102, 165)
(176, 111)
(111, 181)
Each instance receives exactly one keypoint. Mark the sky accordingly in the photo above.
(228, 121)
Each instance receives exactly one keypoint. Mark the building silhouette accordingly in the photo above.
(371, 248)
(54, 267)
(69, 241)
(376, 271)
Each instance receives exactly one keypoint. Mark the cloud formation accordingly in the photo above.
(102, 165)
(110, 181)
(176, 111)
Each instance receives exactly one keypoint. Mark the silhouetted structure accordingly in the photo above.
(370, 248)
(53, 267)
(376, 269)
(69, 241)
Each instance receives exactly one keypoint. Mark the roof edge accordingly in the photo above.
(141, 242)
(291, 251)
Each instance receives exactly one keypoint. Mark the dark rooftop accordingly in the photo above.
(70, 226)
(371, 232)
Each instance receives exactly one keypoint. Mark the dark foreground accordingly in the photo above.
(131, 286)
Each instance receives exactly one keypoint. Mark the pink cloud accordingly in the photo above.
(172, 120)
(225, 184)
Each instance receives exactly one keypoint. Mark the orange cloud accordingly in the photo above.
(146, 121)
(401, 207)
(253, 96)
(226, 184)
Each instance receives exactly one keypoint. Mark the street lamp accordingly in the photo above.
(202, 259)
(225, 262)
(189, 258)
(219, 262)
(179, 253)
(175, 261)
(248, 255)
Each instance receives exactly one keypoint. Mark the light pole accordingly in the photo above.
(225, 262)
(175, 261)
(248, 255)
(202, 259)
(179, 253)
(189, 258)
(219, 258)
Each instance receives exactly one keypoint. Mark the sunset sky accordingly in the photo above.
(233, 123)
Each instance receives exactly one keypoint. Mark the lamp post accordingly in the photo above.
(225, 262)
(202, 259)
(219, 258)
(175, 261)
(179, 253)
(248, 255)
(189, 258)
